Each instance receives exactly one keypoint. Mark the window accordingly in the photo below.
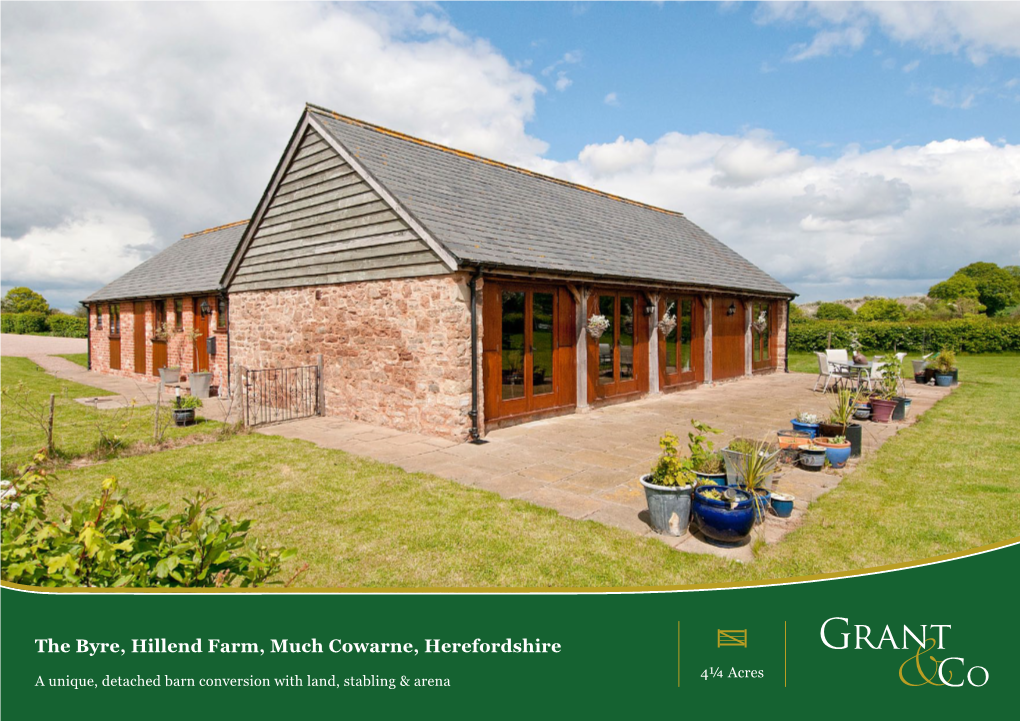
(179, 314)
(99, 317)
(680, 336)
(221, 313)
(114, 319)
(159, 320)
(761, 330)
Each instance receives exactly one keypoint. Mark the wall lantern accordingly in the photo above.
(204, 308)
(732, 309)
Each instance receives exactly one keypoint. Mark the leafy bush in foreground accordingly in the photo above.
(110, 541)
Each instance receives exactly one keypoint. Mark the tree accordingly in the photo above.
(796, 313)
(958, 286)
(25, 300)
(80, 311)
(997, 287)
(833, 311)
(881, 309)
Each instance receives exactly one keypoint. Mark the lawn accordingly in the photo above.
(77, 427)
(81, 359)
(948, 483)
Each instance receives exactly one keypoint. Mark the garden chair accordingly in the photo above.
(824, 371)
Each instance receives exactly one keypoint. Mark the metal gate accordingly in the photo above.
(273, 395)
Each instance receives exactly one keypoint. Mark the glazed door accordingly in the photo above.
(138, 334)
(728, 339)
(201, 326)
(763, 342)
(618, 360)
(527, 332)
(681, 350)
(115, 337)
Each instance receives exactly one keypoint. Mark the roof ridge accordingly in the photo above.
(213, 230)
(478, 158)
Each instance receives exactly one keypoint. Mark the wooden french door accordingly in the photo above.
(201, 326)
(728, 339)
(618, 360)
(138, 333)
(682, 349)
(763, 337)
(528, 333)
(115, 337)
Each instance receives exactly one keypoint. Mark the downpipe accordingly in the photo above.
(475, 435)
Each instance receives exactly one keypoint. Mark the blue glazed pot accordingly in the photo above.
(718, 479)
(761, 510)
(943, 381)
(782, 504)
(837, 456)
(720, 522)
(810, 428)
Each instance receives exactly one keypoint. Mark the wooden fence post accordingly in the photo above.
(320, 385)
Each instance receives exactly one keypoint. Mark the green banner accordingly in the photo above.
(832, 648)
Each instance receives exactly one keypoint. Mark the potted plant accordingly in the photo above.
(806, 422)
(708, 463)
(597, 325)
(184, 409)
(668, 488)
(198, 381)
(724, 514)
(883, 400)
(733, 456)
(756, 469)
(168, 374)
(812, 457)
(790, 443)
(837, 450)
(841, 420)
(946, 373)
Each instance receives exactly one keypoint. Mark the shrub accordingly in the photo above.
(671, 469)
(111, 542)
(975, 334)
(31, 322)
(67, 326)
(24, 300)
(881, 309)
(833, 311)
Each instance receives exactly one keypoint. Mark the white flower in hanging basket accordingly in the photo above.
(667, 324)
(762, 324)
(597, 325)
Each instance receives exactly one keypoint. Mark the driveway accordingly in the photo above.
(35, 345)
(586, 466)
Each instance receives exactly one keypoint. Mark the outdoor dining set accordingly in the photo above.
(837, 367)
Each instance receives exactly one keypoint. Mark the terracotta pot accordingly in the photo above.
(882, 410)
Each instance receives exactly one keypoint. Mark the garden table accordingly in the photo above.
(854, 375)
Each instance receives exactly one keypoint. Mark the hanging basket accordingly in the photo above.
(597, 325)
(667, 324)
(762, 323)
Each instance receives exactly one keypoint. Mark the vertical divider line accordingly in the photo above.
(678, 654)
(784, 654)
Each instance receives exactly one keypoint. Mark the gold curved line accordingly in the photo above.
(550, 590)
(213, 230)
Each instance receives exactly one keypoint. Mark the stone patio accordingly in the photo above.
(586, 466)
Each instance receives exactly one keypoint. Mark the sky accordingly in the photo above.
(848, 149)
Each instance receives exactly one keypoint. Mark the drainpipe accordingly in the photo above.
(475, 437)
(88, 335)
(227, 299)
(786, 356)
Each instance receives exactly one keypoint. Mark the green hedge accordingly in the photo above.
(68, 326)
(970, 335)
(59, 324)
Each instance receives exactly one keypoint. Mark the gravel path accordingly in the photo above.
(31, 345)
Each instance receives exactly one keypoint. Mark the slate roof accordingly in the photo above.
(486, 212)
(194, 264)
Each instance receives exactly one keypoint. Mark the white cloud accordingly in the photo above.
(179, 115)
(976, 29)
(911, 66)
(562, 81)
(611, 99)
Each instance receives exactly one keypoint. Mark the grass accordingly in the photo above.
(948, 483)
(76, 427)
(81, 359)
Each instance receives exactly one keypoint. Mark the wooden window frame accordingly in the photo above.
(178, 315)
(222, 314)
(99, 317)
(115, 320)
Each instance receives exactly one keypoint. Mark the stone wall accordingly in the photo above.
(396, 353)
(179, 351)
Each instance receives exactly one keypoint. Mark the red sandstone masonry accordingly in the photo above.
(396, 353)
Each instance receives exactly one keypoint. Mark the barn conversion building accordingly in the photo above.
(450, 294)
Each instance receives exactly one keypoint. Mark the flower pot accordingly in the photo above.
(837, 454)
(790, 443)
(199, 383)
(812, 459)
(782, 504)
(855, 434)
(900, 411)
(956, 376)
(761, 507)
(169, 375)
(882, 410)
(919, 366)
(184, 416)
(919, 378)
(906, 407)
(862, 412)
(828, 430)
(718, 479)
(724, 520)
(929, 375)
(943, 380)
(665, 502)
(810, 428)
(734, 462)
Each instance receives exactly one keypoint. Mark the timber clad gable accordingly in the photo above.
(326, 225)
